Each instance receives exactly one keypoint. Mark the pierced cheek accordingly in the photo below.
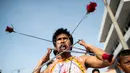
(70, 44)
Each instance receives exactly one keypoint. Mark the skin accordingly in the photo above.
(91, 61)
(95, 72)
(124, 63)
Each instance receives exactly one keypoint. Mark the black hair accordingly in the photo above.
(123, 53)
(95, 70)
(62, 31)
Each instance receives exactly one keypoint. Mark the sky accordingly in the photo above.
(41, 18)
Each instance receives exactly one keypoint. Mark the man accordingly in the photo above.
(62, 41)
(124, 60)
(95, 71)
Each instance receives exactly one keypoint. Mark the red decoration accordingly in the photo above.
(64, 71)
(91, 7)
(9, 29)
(108, 57)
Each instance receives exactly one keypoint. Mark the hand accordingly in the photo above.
(49, 51)
(44, 59)
(82, 42)
(46, 56)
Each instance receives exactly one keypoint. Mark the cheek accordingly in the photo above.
(68, 43)
(57, 46)
(57, 42)
(125, 67)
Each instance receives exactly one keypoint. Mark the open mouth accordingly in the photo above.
(63, 47)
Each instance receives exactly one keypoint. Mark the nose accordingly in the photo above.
(62, 40)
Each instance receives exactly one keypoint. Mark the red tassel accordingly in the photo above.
(91, 7)
(108, 57)
(9, 29)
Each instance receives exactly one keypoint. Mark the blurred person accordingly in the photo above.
(124, 60)
(95, 71)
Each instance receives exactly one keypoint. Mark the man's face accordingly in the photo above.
(125, 63)
(62, 42)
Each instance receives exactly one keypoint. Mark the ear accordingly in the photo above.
(119, 66)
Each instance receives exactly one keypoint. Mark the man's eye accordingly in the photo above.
(128, 62)
(58, 39)
(65, 38)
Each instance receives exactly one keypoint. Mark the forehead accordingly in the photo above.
(62, 35)
(123, 58)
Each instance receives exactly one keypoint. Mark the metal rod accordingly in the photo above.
(79, 48)
(78, 52)
(79, 23)
(72, 51)
(33, 36)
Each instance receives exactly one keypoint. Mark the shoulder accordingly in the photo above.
(82, 59)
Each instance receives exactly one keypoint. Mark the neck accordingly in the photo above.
(66, 55)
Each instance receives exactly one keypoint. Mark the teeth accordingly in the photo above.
(62, 47)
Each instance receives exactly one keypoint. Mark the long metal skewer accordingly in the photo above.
(60, 54)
